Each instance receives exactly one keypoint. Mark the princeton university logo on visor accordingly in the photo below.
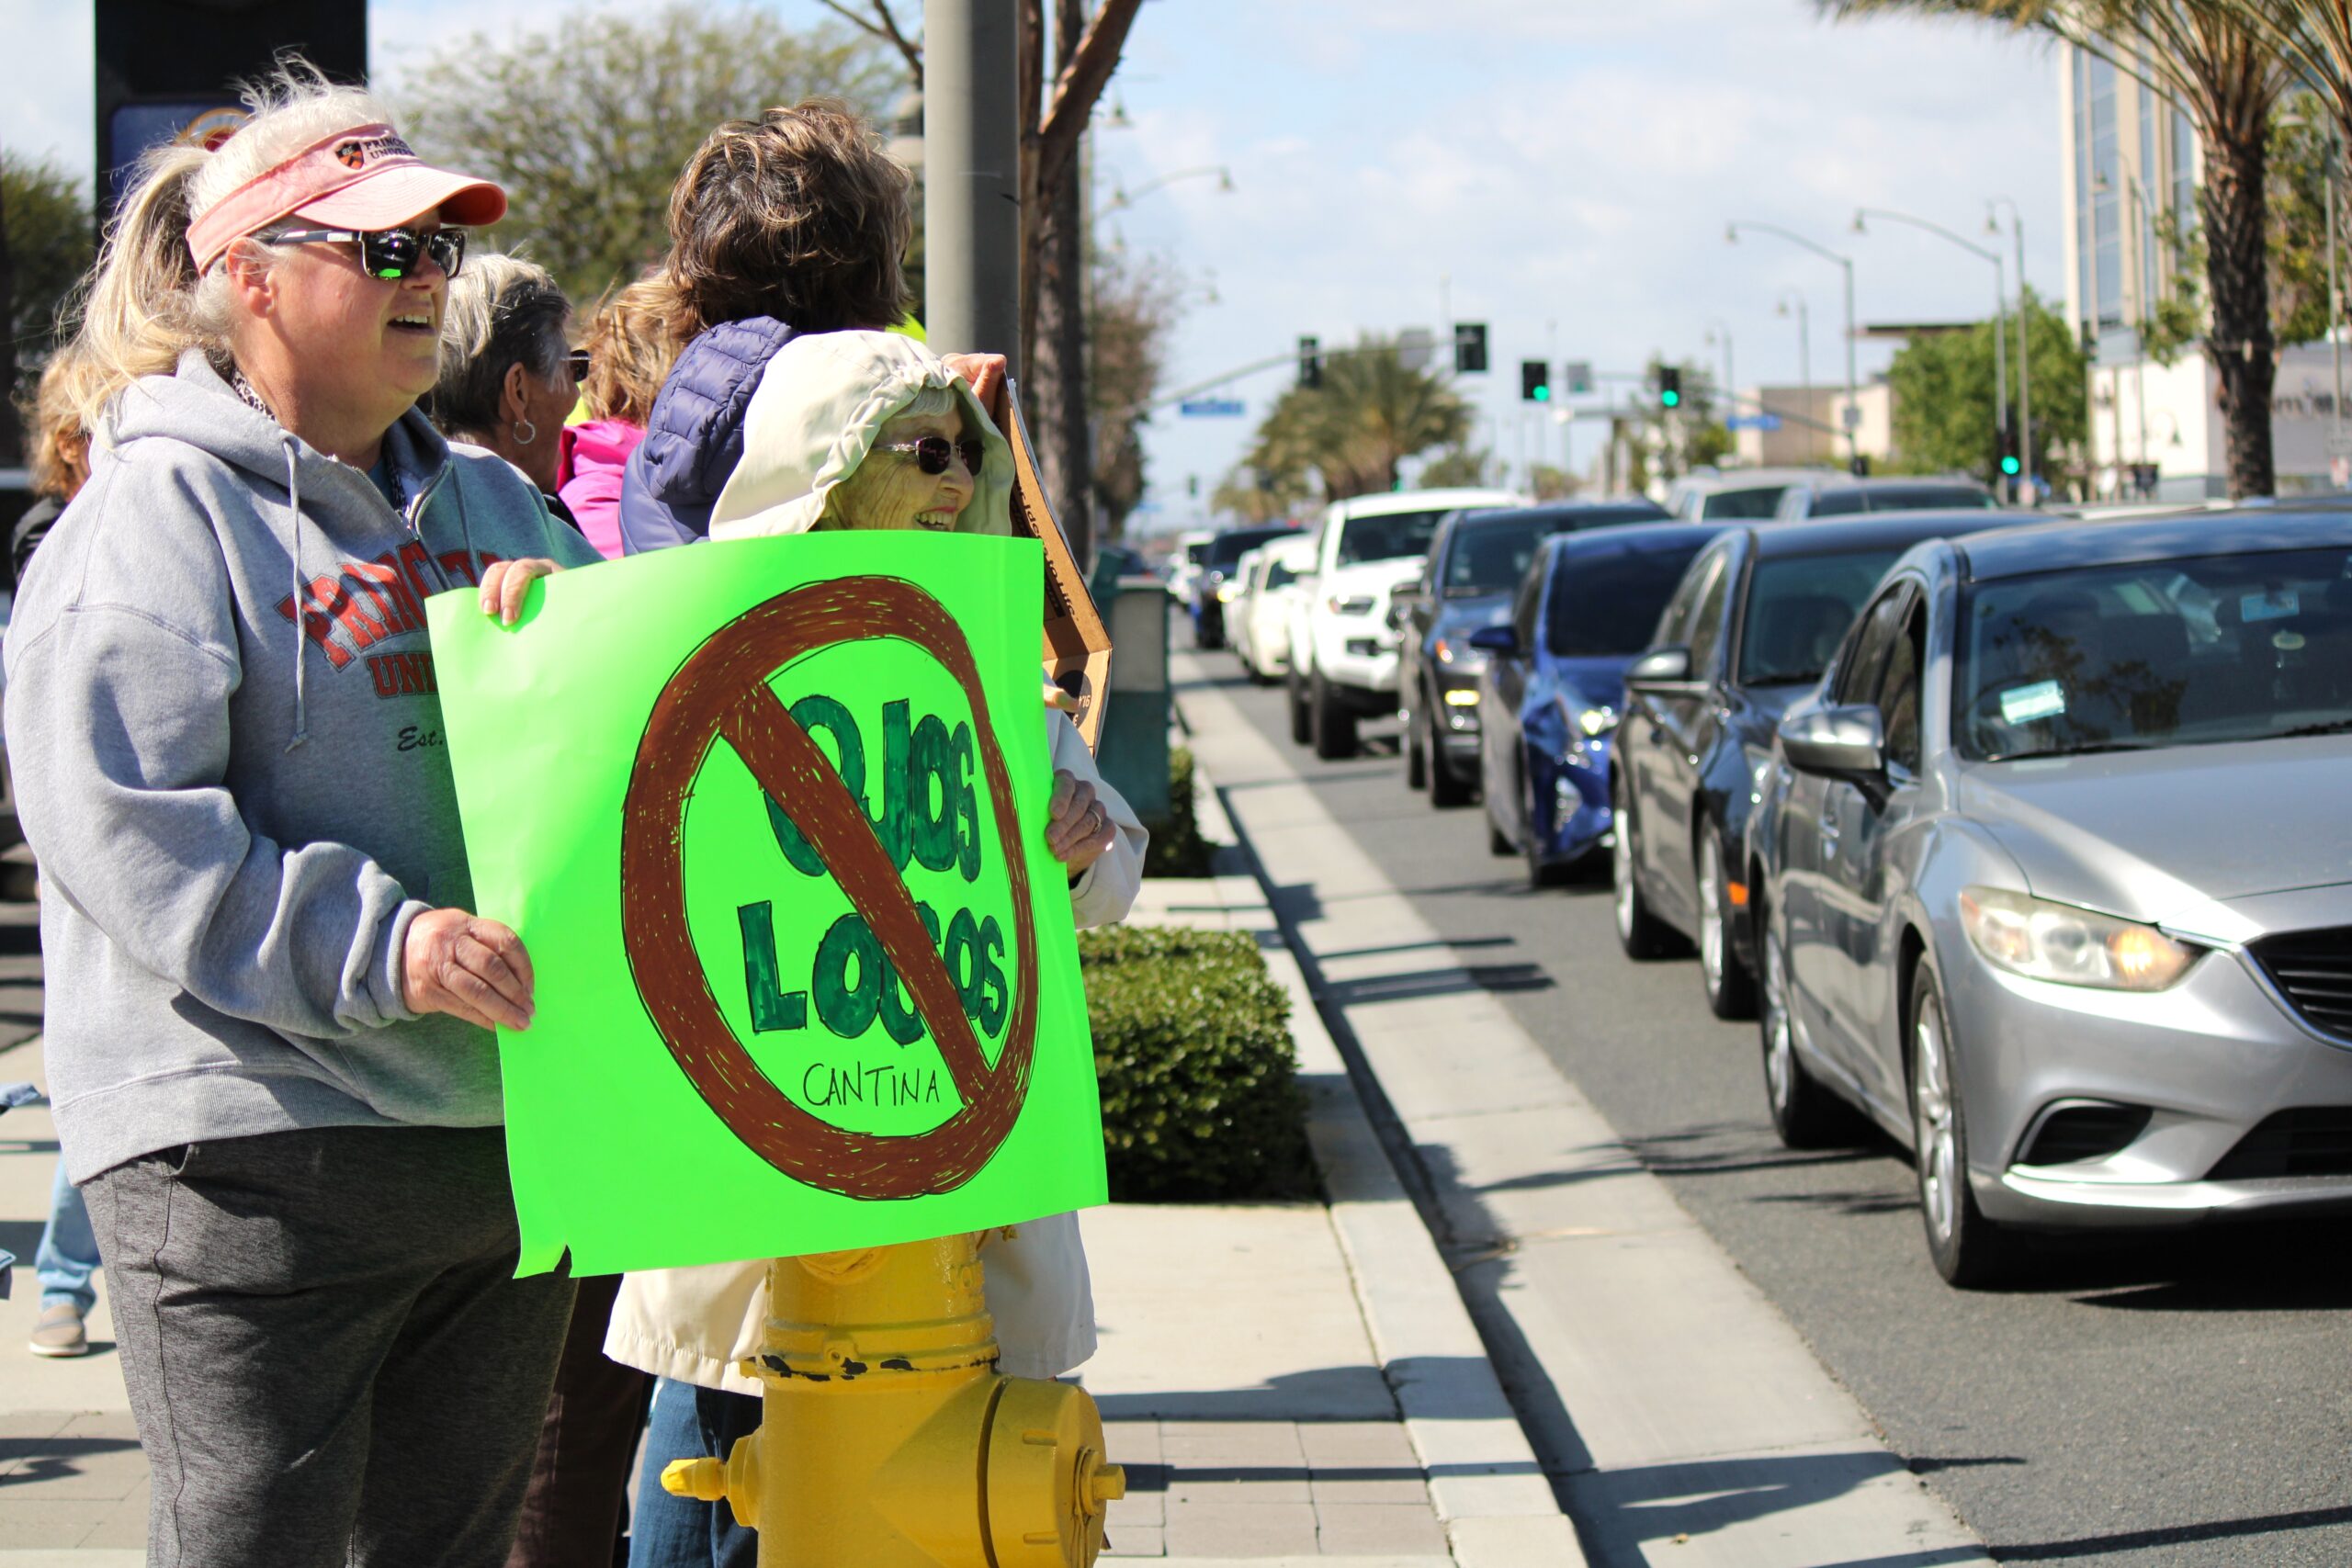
(359, 155)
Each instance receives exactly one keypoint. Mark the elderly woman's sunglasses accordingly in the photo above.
(390, 253)
(932, 452)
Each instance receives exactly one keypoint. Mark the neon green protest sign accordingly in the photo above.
(764, 813)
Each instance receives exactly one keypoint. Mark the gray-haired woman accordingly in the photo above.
(508, 372)
(269, 1005)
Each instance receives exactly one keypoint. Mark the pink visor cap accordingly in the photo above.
(365, 178)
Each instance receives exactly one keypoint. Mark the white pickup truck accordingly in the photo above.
(1343, 651)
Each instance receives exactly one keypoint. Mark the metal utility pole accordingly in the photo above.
(2025, 350)
(2000, 300)
(972, 177)
(1852, 418)
(1718, 327)
(1804, 357)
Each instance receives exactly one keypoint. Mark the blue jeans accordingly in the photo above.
(679, 1533)
(68, 1252)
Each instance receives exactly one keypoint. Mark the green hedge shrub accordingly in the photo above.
(1201, 1100)
(1179, 850)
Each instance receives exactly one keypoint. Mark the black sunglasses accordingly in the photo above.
(390, 253)
(932, 452)
(579, 363)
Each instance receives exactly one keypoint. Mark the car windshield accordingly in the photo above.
(1925, 498)
(1385, 536)
(1606, 603)
(1279, 574)
(1798, 611)
(1490, 558)
(1227, 548)
(1195, 554)
(1762, 500)
(2171, 653)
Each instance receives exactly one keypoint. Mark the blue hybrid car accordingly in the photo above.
(1555, 683)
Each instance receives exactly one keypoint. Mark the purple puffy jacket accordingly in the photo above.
(693, 437)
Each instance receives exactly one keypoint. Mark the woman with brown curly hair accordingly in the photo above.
(793, 222)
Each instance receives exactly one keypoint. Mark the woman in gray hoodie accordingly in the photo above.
(268, 1006)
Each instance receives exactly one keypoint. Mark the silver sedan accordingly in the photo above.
(2056, 878)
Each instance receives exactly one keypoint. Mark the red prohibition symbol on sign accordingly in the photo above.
(722, 693)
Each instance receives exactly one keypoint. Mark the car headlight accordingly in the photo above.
(1594, 721)
(1356, 604)
(1228, 593)
(2043, 940)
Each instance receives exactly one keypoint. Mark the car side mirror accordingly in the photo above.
(1662, 669)
(1501, 640)
(1836, 742)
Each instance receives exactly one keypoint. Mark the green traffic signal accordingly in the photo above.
(2011, 467)
(1670, 398)
(1542, 394)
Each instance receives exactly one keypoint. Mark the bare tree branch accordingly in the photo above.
(882, 24)
(1080, 85)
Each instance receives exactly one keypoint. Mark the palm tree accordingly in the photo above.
(2222, 63)
(1369, 415)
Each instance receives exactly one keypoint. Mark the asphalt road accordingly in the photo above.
(2182, 1401)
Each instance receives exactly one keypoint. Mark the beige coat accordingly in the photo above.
(698, 1325)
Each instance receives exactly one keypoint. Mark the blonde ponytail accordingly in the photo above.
(139, 315)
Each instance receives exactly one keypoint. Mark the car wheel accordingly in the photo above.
(1641, 934)
(1446, 787)
(1969, 1250)
(1334, 725)
(1301, 728)
(1497, 841)
(1804, 1113)
(1416, 756)
(1731, 990)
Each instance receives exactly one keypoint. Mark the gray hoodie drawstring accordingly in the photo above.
(302, 613)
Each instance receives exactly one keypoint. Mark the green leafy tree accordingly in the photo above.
(2300, 168)
(1352, 432)
(1943, 397)
(1247, 496)
(1457, 466)
(587, 123)
(2221, 61)
(44, 251)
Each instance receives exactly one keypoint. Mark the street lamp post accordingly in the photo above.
(1719, 330)
(2000, 298)
(1853, 407)
(1122, 199)
(2025, 355)
(1804, 354)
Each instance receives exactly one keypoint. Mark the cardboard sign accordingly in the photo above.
(1078, 645)
(764, 813)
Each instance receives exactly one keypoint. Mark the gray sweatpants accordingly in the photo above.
(327, 1354)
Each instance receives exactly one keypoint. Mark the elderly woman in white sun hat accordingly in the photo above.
(269, 1009)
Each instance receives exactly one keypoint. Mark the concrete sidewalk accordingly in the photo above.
(1287, 1383)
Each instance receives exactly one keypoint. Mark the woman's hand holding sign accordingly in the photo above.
(504, 582)
(1077, 830)
(469, 967)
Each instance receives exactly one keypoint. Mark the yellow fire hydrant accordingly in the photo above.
(888, 1438)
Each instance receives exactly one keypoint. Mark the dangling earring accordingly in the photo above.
(524, 433)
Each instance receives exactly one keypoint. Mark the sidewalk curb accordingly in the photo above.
(1676, 1405)
(1488, 1488)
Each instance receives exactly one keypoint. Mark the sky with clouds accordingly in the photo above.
(1561, 170)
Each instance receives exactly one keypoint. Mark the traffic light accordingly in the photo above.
(1469, 347)
(1534, 381)
(1310, 362)
(1670, 385)
(2010, 465)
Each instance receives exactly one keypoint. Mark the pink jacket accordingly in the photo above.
(588, 477)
